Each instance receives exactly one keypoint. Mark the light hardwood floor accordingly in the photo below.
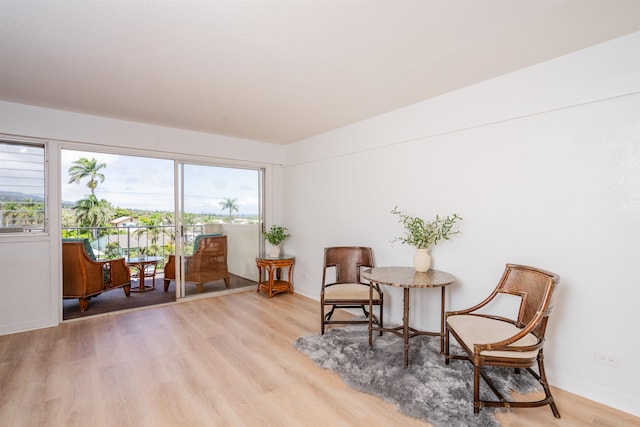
(225, 361)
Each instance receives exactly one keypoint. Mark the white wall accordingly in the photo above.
(30, 280)
(544, 167)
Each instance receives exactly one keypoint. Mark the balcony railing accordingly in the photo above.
(116, 242)
(245, 242)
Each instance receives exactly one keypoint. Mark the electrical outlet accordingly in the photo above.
(606, 359)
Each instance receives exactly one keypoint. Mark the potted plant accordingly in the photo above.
(423, 234)
(275, 236)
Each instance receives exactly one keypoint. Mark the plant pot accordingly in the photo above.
(422, 260)
(274, 251)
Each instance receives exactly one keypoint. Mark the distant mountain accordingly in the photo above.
(11, 196)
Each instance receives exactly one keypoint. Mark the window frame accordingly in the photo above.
(41, 228)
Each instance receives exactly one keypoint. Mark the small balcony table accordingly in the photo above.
(146, 268)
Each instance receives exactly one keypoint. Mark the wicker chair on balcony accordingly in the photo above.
(83, 277)
(207, 264)
(494, 340)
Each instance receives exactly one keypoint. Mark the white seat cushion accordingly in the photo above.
(481, 330)
(349, 291)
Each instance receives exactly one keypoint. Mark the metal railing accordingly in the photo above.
(116, 242)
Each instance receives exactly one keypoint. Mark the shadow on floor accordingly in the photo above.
(115, 299)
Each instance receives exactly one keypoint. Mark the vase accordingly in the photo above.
(274, 251)
(422, 260)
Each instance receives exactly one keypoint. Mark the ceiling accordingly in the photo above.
(279, 70)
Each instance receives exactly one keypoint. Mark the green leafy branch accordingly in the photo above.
(423, 234)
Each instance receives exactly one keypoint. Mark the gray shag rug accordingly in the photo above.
(428, 389)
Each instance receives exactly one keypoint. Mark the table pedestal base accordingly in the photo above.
(405, 331)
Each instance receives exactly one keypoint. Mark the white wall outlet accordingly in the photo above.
(606, 359)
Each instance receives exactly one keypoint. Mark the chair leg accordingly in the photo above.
(166, 284)
(545, 385)
(84, 304)
(364, 310)
(127, 289)
(446, 346)
(476, 389)
(227, 282)
(381, 316)
(379, 321)
(322, 317)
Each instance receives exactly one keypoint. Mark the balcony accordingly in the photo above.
(244, 242)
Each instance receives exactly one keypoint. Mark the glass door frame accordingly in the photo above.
(179, 214)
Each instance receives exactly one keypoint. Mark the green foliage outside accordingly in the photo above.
(23, 213)
(90, 218)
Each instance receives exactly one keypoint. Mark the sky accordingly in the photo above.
(147, 183)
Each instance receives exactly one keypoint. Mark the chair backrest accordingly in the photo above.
(87, 246)
(196, 241)
(79, 275)
(347, 261)
(535, 287)
(212, 245)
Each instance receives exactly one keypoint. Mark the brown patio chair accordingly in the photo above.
(84, 277)
(342, 286)
(207, 264)
(495, 340)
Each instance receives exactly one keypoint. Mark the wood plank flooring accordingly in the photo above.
(225, 361)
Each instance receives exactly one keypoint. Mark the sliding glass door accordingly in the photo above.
(219, 209)
(148, 209)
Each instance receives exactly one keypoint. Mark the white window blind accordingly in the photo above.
(22, 187)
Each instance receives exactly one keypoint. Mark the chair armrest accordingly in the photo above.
(87, 278)
(470, 310)
(118, 273)
(170, 268)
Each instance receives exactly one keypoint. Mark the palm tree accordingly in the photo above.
(230, 204)
(153, 231)
(91, 212)
(83, 168)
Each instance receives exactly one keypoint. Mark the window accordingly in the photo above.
(22, 187)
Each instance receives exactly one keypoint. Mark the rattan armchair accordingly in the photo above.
(495, 340)
(84, 277)
(207, 264)
(342, 286)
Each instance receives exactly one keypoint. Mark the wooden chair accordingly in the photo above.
(345, 289)
(84, 277)
(495, 340)
(207, 264)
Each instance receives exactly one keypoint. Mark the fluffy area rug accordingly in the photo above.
(428, 389)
